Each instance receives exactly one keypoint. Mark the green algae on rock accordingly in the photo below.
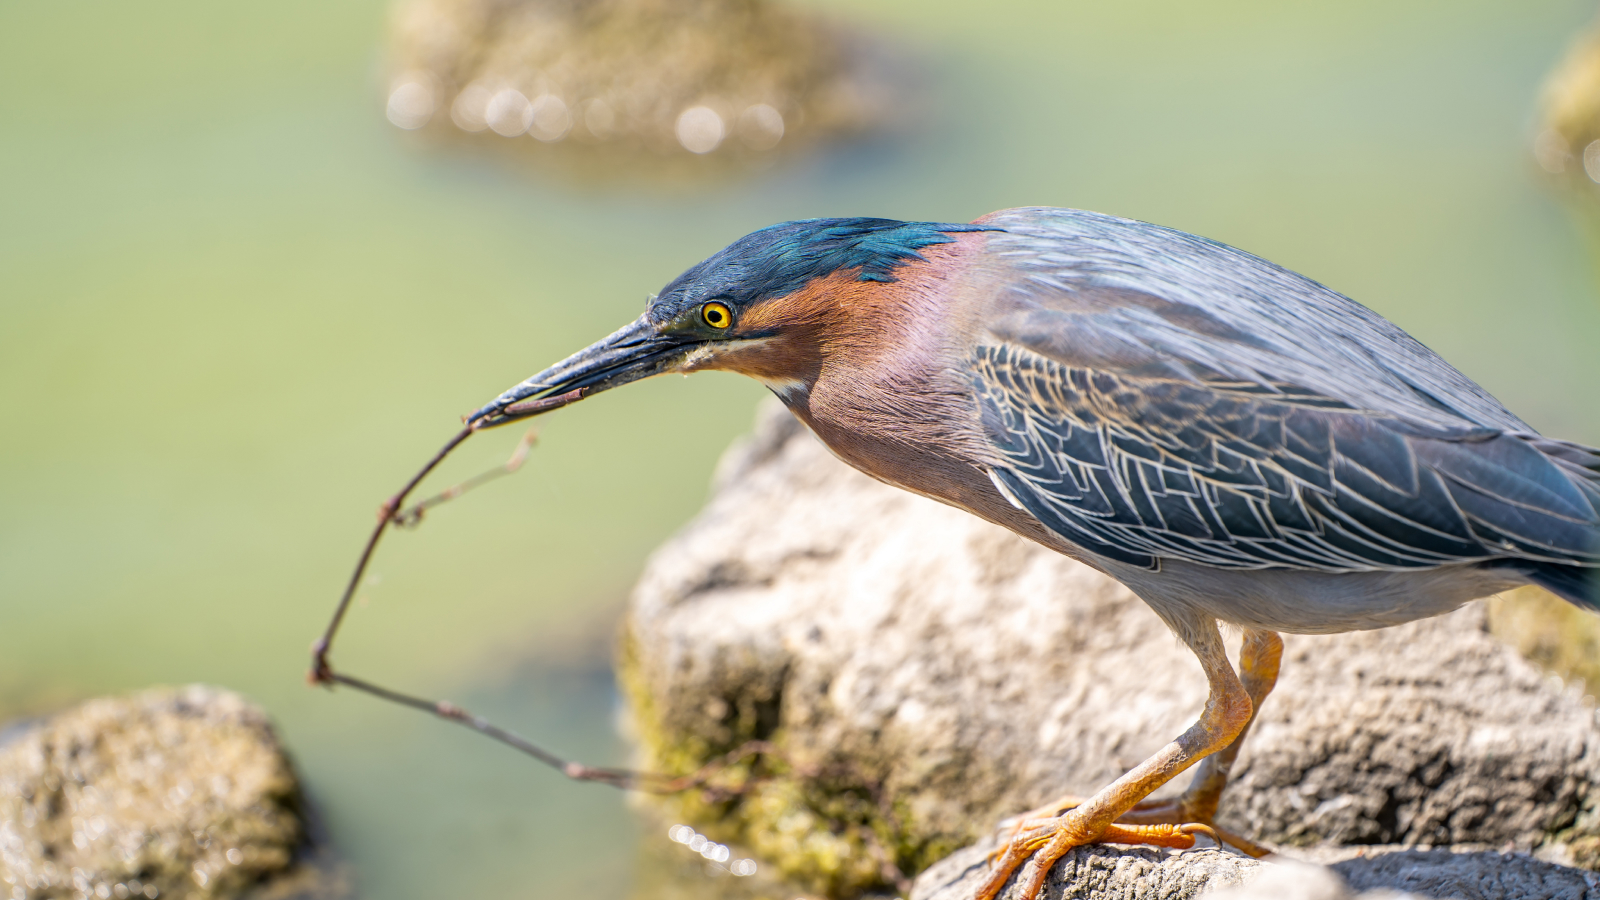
(170, 793)
(627, 88)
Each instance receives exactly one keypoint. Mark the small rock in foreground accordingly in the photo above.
(168, 793)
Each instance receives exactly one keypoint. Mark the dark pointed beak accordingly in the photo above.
(637, 350)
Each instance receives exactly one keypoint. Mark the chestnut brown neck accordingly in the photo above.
(873, 370)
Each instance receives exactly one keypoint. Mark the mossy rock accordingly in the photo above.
(168, 793)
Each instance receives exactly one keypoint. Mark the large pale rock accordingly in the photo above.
(923, 674)
(169, 793)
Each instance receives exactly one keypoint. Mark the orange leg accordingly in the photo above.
(1227, 712)
(1260, 656)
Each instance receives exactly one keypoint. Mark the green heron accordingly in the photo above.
(1232, 441)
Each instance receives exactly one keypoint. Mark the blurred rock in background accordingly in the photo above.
(1569, 113)
(629, 88)
(168, 793)
(922, 674)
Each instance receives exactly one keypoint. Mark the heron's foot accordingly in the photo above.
(1176, 811)
(1047, 840)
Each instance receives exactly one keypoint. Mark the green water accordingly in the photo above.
(237, 308)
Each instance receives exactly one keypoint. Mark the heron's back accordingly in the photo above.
(1163, 400)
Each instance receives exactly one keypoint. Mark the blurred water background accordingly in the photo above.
(238, 307)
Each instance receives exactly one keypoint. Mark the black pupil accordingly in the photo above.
(715, 315)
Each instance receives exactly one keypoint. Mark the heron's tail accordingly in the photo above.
(1578, 585)
(1577, 582)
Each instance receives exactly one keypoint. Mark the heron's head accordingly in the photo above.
(763, 306)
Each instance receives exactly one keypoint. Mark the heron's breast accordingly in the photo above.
(892, 395)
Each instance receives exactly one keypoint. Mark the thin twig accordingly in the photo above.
(393, 511)
(321, 672)
(446, 710)
(627, 779)
(411, 516)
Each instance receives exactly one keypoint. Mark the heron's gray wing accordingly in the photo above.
(1138, 456)
(1159, 298)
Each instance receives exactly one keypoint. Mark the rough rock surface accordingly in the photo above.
(174, 793)
(1380, 873)
(1103, 873)
(1480, 875)
(923, 674)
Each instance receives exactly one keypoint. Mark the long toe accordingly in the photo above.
(1175, 813)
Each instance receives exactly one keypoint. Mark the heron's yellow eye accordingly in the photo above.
(717, 315)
